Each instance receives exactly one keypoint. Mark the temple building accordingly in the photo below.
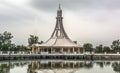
(59, 42)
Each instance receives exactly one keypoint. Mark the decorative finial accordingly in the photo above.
(59, 6)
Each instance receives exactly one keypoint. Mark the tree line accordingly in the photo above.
(7, 45)
(114, 48)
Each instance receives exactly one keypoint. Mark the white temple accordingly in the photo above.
(59, 42)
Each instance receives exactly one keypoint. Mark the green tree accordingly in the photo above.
(0, 41)
(5, 41)
(21, 48)
(99, 49)
(13, 47)
(106, 49)
(88, 47)
(40, 42)
(116, 45)
(33, 40)
(7, 37)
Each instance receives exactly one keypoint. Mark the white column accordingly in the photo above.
(51, 50)
(78, 50)
(68, 50)
(38, 49)
(73, 49)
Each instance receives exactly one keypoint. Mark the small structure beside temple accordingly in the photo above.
(59, 42)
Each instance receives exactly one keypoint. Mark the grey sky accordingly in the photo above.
(94, 21)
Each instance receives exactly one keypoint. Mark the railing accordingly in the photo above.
(50, 54)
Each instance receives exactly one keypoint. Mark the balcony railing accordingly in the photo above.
(50, 54)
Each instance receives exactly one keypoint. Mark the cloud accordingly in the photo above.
(95, 21)
(50, 5)
(10, 13)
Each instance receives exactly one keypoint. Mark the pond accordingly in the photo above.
(59, 66)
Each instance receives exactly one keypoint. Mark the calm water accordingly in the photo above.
(59, 66)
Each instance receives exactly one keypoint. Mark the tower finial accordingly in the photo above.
(59, 6)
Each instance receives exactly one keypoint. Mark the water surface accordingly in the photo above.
(59, 66)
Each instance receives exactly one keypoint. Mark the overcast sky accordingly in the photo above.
(93, 21)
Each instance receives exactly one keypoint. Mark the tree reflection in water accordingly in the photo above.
(116, 67)
(55, 66)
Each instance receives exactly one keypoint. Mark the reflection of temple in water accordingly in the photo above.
(69, 66)
(57, 66)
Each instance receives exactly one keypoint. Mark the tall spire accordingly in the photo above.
(59, 7)
(59, 37)
(59, 29)
(59, 12)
